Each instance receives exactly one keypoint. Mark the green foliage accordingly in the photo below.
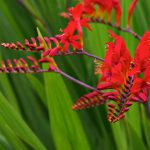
(35, 110)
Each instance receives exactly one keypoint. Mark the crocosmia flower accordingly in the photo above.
(126, 77)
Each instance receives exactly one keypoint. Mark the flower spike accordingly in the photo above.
(89, 100)
(20, 66)
(31, 47)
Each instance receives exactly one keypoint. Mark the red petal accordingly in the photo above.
(143, 96)
(132, 6)
(106, 85)
(84, 22)
(71, 27)
(46, 60)
(45, 53)
(76, 45)
(77, 11)
(54, 51)
(66, 46)
(142, 52)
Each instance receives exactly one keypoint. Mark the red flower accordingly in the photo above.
(68, 38)
(107, 6)
(77, 22)
(89, 8)
(121, 74)
(142, 54)
(116, 63)
(142, 66)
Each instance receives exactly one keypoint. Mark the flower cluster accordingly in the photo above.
(126, 78)
(121, 73)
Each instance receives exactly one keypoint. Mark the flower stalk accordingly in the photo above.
(127, 30)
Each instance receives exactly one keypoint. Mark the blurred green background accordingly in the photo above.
(35, 110)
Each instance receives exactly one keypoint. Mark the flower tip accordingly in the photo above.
(111, 33)
(2, 44)
(33, 40)
(121, 116)
(54, 51)
(130, 12)
(51, 68)
(74, 107)
(26, 42)
(40, 40)
(65, 15)
(46, 53)
(44, 60)
(111, 105)
(30, 58)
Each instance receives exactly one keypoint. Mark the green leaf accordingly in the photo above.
(17, 124)
(15, 142)
(38, 87)
(64, 122)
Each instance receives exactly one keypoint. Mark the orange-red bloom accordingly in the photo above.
(68, 38)
(127, 77)
(89, 8)
(73, 34)
(118, 65)
(104, 6)
(121, 73)
(77, 21)
(107, 6)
